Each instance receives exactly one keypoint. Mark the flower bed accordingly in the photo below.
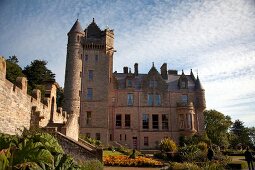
(126, 161)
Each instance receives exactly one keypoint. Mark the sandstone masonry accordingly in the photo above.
(133, 109)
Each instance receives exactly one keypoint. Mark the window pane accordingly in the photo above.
(129, 83)
(88, 118)
(118, 120)
(150, 99)
(155, 121)
(181, 121)
(157, 100)
(89, 94)
(96, 58)
(130, 99)
(145, 121)
(184, 99)
(86, 57)
(90, 75)
(127, 120)
(153, 83)
(164, 121)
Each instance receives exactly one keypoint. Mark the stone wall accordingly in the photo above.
(19, 110)
(78, 150)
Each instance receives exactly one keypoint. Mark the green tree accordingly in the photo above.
(217, 126)
(37, 73)
(13, 70)
(240, 134)
(252, 135)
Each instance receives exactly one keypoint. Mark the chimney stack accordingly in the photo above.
(163, 70)
(136, 69)
(125, 70)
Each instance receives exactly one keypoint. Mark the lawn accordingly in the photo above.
(111, 153)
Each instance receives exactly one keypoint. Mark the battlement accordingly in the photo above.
(19, 110)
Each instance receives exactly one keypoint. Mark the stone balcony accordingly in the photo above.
(184, 104)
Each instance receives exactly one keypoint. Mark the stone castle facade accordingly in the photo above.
(131, 108)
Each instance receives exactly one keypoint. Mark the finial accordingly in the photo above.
(152, 64)
(129, 70)
(93, 20)
(78, 16)
(182, 72)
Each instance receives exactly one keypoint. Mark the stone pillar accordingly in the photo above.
(2, 68)
(21, 82)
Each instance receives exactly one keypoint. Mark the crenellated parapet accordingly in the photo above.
(19, 110)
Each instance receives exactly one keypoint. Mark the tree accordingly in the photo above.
(252, 135)
(37, 73)
(217, 126)
(13, 70)
(240, 134)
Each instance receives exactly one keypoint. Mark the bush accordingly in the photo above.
(185, 165)
(202, 146)
(167, 145)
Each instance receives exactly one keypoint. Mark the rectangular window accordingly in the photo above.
(184, 99)
(157, 100)
(88, 118)
(155, 121)
(97, 136)
(130, 99)
(153, 83)
(96, 58)
(89, 93)
(145, 121)
(150, 100)
(90, 75)
(146, 141)
(127, 120)
(86, 57)
(125, 137)
(120, 137)
(129, 83)
(164, 121)
(118, 120)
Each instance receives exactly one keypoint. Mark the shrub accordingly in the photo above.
(185, 165)
(167, 145)
(202, 146)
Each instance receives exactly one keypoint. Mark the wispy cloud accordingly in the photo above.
(217, 38)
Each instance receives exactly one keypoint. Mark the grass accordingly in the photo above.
(111, 153)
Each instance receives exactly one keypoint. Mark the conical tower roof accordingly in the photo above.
(198, 85)
(76, 28)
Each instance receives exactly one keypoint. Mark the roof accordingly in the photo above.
(93, 31)
(198, 85)
(76, 28)
(171, 81)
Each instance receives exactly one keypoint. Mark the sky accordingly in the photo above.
(215, 38)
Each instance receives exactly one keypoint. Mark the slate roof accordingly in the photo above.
(76, 28)
(93, 31)
(172, 81)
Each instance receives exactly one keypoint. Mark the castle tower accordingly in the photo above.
(200, 104)
(97, 65)
(73, 71)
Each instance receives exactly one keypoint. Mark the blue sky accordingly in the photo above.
(213, 37)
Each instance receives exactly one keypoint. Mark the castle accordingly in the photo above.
(134, 109)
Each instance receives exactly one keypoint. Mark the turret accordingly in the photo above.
(74, 57)
(200, 104)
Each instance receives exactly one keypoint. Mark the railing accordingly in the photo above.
(184, 104)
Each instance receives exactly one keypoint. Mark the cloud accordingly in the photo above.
(217, 38)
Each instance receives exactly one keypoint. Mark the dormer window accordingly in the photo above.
(153, 83)
(183, 85)
(129, 83)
